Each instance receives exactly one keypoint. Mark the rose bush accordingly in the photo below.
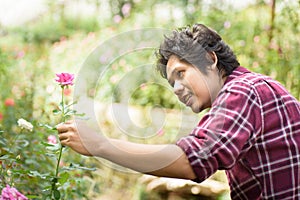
(64, 79)
(60, 178)
(11, 193)
(39, 173)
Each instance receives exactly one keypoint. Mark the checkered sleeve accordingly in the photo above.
(225, 132)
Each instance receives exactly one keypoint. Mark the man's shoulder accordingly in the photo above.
(245, 77)
(244, 83)
(263, 87)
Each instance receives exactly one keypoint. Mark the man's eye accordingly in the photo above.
(180, 74)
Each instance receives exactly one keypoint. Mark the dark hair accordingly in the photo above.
(193, 45)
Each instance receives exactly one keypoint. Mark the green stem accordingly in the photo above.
(63, 104)
(61, 147)
(58, 161)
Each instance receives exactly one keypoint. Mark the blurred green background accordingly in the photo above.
(41, 37)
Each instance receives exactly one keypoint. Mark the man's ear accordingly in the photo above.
(214, 59)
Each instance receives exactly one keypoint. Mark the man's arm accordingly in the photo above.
(161, 160)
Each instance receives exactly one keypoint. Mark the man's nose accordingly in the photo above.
(178, 88)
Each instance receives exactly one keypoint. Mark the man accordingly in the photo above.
(252, 129)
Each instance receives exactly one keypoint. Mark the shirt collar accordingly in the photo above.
(235, 73)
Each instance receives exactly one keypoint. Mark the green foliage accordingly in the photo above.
(4, 62)
(28, 163)
(48, 29)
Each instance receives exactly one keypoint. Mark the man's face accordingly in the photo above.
(192, 87)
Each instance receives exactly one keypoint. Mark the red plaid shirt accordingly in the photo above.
(253, 132)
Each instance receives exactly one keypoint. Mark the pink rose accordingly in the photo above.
(65, 79)
(11, 193)
(52, 139)
(9, 102)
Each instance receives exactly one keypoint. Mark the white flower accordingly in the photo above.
(25, 124)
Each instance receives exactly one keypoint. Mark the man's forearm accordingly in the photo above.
(161, 160)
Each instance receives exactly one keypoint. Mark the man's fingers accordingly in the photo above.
(63, 136)
(61, 128)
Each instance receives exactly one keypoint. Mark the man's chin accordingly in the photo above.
(196, 109)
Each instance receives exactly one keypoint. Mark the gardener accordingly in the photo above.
(252, 129)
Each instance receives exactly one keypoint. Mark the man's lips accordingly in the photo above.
(186, 99)
(189, 101)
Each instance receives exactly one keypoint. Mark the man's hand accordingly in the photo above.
(70, 136)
